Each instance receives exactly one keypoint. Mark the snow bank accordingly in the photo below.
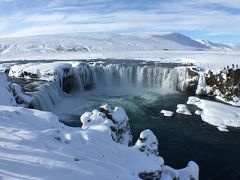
(217, 114)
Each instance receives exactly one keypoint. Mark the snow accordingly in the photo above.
(218, 46)
(188, 173)
(35, 145)
(98, 42)
(182, 109)
(6, 95)
(217, 114)
(235, 100)
(95, 117)
(147, 142)
(42, 71)
(167, 113)
(163, 47)
(198, 112)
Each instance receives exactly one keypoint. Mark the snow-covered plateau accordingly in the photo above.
(42, 78)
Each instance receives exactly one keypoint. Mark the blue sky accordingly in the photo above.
(217, 20)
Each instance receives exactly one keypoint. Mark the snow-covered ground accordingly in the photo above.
(164, 47)
(99, 42)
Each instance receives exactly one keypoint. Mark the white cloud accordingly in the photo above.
(164, 16)
(43, 17)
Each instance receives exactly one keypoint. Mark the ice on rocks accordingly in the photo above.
(167, 113)
(182, 109)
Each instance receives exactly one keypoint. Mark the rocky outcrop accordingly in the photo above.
(191, 172)
(117, 120)
(224, 84)
(148, 144)
(188, 78)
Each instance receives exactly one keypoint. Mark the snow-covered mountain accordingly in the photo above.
(99, 42)
(218, 46)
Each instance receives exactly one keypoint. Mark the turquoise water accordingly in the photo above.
(181, 137)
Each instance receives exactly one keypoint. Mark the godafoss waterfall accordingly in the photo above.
(143, 89)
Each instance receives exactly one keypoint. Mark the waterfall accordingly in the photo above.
(83, 77)
(135, 76)
(47, 97)
(125, 76)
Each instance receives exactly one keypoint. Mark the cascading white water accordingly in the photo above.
(121, 76)
(83, 77)
(135, 76)
(48, 97)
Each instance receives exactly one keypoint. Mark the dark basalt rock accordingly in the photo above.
(120, 129)
(68, 84)
(226, 83)
(28, 74)
(193, 75)
(150, 175)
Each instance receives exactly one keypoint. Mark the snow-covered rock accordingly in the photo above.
(217, 114)
(116, 119)
(191, 172)
(167, 113)
(42, 71)
(182, 109)
(187, 78)
(147, 143)
(223, 84)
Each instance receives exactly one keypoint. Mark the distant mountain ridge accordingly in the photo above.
(106, 42)
(218, 46)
